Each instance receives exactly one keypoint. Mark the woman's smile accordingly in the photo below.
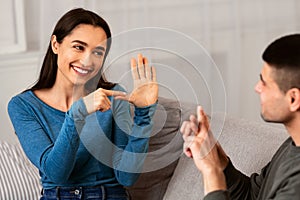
(81, 71)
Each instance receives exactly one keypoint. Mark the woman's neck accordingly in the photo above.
(61, 97)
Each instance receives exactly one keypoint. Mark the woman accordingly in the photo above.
(76, 127)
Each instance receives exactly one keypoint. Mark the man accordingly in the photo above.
(279, 90)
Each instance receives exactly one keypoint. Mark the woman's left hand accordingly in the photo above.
(145, 91)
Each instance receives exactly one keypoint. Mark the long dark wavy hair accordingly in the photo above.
(64, 27)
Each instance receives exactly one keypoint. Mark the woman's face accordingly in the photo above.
(80, 55)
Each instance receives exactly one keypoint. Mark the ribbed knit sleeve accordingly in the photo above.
(54, 159)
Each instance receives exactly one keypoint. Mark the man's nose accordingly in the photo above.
(257, 87)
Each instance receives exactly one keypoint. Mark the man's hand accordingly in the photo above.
(208, 155)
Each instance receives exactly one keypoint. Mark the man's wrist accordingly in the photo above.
(214, 179)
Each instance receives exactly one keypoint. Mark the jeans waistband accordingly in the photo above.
(97, 192)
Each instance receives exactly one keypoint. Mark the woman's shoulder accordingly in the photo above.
(19, 101)
(24, 98)
(26, 95)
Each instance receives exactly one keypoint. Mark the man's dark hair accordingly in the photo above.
(283, 55)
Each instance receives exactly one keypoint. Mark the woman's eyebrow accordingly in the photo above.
(100, 48)
(85, 44)
(80, 42)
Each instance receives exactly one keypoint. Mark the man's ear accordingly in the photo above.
(54, 44)
(294, 96)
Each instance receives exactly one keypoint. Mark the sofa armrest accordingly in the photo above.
(19, 179)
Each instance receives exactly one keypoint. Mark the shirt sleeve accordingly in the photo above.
(39, 147)
(217, 195)
(241, 186)
(289, 187)
(131, 136)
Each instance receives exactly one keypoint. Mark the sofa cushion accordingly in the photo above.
(19, 179)
(250, 145)
(165, 148)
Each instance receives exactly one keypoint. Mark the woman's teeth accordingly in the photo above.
(79, 70)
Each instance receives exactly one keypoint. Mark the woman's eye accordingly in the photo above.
(98, 53)
(78, 47)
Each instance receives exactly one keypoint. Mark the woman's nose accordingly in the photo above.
(86, 59)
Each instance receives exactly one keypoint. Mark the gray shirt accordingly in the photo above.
(279, 179)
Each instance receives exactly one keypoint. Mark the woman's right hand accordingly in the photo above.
(98, 100)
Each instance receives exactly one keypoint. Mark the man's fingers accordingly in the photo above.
(194, 144)
(202, 119)
(183, 126)
(187, 150)
(199, 114)
(186, 129)
(189, 140)
(194, 124)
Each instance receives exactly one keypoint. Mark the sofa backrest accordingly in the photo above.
(165, 149)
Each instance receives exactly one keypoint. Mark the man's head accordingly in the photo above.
(283, 55)
(280, 80)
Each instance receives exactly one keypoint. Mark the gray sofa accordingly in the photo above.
(168, 174)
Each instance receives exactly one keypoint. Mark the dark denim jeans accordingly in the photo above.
(85, 193)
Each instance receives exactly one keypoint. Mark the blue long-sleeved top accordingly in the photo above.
(76, 149)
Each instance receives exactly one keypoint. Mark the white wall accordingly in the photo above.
(17, 72)
(234, 33)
